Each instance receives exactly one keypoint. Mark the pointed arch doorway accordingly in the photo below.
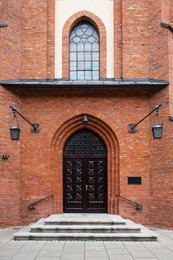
(85, 173)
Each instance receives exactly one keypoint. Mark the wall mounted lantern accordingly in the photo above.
(5, 157)
(156, 128)
(15, 130)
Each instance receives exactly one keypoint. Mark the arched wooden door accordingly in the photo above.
(85, 173)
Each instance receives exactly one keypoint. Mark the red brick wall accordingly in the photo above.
(135, 39)
(118, 39)
(158, 42)
(3, 11)
(161, 179)
(171, 59)
(10, 43)
(10, 66)
(34, 39)
(34, 168)
(50, 38)
(161, 151)
(9, 169)
(131, 39)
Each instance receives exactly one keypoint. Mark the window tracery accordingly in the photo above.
(84, 52)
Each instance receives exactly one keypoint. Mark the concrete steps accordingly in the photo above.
(85, 227)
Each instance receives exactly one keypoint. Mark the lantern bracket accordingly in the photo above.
(132, 126)
(171, 118)
(34, 125)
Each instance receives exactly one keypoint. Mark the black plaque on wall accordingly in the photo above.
(135, 180)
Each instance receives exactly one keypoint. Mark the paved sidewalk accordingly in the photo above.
(59, 250)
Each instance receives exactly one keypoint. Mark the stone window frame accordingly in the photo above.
(70, 23)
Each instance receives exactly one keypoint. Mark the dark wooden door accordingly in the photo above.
(85, 173)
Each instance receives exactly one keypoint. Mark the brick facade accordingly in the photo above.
(142, 49)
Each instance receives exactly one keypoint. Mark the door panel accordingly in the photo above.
(97, 185)
(73, 185)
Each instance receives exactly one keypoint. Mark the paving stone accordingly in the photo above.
(137, 252)
(47, 258)
(6, 253)
(114, 245)
(72, 257)
(96, 258)
(50, 253)
(117, 251)
(162, 250)
(144, 258)
(165, 257)
(96, 254)
(24, 257)
(12, 247)
(121, 257)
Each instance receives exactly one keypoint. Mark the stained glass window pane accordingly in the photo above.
(76, 39)
(95, 47)
(72, 46)
(73, 75)
(79, 32)
(88, 46)
(95, 75)
(95, 56)
(81, 65)
(72, 65)
(88, 75)
(80, 56)
(91, 39)
(87, 56)
(80, 47)
(88, 65)
(80, 75)
(72, 56)
(89, 31)
(95, 65)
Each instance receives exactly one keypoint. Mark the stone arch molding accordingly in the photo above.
(75, 18)
(98, 126)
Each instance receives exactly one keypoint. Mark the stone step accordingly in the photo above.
(84, 229)
(73, 222)
(86, 236)
(82, 219)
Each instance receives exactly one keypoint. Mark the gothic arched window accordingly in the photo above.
(84, 52)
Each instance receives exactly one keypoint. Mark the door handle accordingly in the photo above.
(86, 187)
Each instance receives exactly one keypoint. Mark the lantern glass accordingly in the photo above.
(157, 131)
(14, 132)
